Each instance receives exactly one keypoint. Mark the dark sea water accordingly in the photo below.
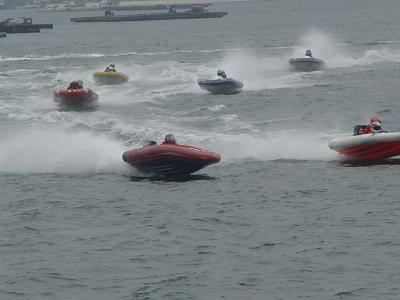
(280, 217)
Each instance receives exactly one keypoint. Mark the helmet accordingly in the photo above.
(112, 65)
(170, 139)
(308, 52)
(375, 118)
(376, 126)
(220, 72)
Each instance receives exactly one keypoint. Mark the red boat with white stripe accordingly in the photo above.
(368, 146)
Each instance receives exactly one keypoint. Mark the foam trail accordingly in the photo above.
(161, 79)
(325, 47)
(59, 152)
(334, 54)
(283, 145)
(260, 72)
(377, 55)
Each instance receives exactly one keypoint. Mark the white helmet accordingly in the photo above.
(221, 73)
(376, 126)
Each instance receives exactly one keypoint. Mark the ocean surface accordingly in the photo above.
(280, 217)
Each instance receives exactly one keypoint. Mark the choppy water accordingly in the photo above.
(279, 218)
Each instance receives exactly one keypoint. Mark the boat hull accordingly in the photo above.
(78, 97)
(151, 17)
(218, 86)
(368, 147)
(170, 159)
(109, 78)
(305, 64)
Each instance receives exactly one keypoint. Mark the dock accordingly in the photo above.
(26, 26)
(194, 13)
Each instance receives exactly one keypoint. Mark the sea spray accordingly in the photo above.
(39, 151)
(335, 53)
(261, 71)
(268, 146)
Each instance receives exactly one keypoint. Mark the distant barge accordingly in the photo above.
(153, 7)
(194, 13)
(8, 26)
(125, 7)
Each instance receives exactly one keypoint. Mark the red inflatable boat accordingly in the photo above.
(83, 96)
(170, 159)
(368, 146)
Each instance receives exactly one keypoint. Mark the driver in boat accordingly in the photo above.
(169, 139)
(221, 75)
(75, 85)
(308, 53)
(374, 126)
(110, 68)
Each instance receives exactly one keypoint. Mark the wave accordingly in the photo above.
(377, 43)
(122, 54)
(322, 44)
(216, 107)
(97, 55)
(50, 57)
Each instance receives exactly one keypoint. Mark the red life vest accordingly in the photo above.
(365, 129)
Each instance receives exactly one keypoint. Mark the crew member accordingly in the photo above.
(221, 74)
(308, 53)
(374, 126)
(110, 68)
(169, 139)
(75, 85)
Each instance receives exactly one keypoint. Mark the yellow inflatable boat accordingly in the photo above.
(106, 78)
